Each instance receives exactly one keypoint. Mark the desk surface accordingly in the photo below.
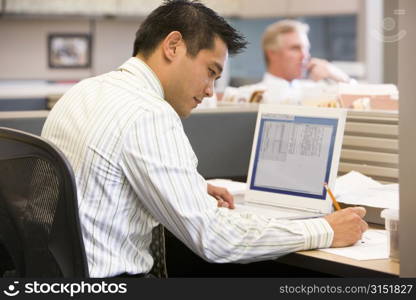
(342, 266)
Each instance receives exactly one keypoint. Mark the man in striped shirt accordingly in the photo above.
(135, 167)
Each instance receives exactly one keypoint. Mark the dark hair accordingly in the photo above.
(198, 24)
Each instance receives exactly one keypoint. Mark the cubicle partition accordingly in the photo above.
(221, 137)
(28, 95)
(10, 104)
(371, 145)
(29, 121)
(222, 140)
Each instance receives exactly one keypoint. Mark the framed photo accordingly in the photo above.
(69, 50)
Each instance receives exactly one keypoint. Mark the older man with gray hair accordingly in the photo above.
(286, 52)
(289, 67)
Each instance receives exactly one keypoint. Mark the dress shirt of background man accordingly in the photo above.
(290, 68)
(135, 167)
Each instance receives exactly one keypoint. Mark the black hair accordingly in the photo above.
(198, 24)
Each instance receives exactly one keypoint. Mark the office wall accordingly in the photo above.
(407, 133)
(391, 26)
(113, 43)
(23, 46)
(24, 50)
(377, 23)
(373, 26)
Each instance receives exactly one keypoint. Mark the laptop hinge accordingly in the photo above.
(287, 207)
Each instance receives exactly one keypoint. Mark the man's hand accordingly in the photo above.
(348, 226)
(223, 196)
(320, 69)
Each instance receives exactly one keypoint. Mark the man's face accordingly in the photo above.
(194, 77)
(291, 56)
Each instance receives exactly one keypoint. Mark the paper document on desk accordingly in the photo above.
(237, 189)
(357, 189)
(373, 245)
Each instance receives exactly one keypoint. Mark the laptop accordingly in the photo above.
(296, 150)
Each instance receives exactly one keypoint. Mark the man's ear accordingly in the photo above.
(270, 54)
(172, 45)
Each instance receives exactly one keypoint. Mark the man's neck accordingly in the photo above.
(154, 63)
(279, 74)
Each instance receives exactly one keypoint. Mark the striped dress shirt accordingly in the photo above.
(134, 167)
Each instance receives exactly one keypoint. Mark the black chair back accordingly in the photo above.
(39, 222)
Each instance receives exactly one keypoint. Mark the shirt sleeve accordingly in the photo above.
(160, 165)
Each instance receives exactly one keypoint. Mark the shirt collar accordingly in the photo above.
(145, 75)
(269, 78)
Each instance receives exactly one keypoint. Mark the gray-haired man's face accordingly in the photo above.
(292, 55)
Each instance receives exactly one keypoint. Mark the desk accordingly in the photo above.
(182, 262)
(342, 266)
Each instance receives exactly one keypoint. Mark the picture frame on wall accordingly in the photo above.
(69, 50)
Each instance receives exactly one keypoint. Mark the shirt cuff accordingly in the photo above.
(318, 233)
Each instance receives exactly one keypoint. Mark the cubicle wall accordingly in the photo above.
(222, 140)
(29, 121)
(24, 104)
(371, 145)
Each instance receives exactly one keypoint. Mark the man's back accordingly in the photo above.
(91, 124)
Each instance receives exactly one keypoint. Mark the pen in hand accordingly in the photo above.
(334, 201)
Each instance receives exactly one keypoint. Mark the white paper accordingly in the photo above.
(237, 189)
(352, 182)
(373, 245)
(234, 187)
(357, 189)
(381, 197)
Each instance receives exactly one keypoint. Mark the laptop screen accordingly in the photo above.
(294, 155)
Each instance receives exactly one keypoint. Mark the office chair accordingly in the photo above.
(39, 223)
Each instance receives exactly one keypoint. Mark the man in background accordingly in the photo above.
(289, 67)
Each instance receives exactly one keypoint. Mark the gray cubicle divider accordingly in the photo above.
(222, 142)
(29, 121)
(23, 104)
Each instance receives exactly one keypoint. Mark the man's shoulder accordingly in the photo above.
(87, 83)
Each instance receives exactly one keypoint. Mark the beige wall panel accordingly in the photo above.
(407, 67)
(24, 48)
(322, 7)
(113, 43)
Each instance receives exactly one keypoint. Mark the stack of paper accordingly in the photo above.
(357, 189)
(237, 189)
